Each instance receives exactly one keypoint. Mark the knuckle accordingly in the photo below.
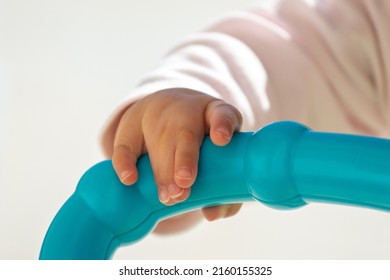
(122, 148)
(187, 136)
(125, 151)
(227, 110)
(233, 112)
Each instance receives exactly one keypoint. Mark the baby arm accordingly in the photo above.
(189, 95)
(258, 62)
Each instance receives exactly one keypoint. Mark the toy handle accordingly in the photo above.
(344, 169)
(103, 213)
(283, 165)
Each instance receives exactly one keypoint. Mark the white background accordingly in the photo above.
(64, 66)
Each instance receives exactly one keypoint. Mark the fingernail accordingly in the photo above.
(224, 132)
(184, 173)
(164, 195)
(175, 191)
(124, 175)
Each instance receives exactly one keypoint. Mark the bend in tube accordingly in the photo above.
(130, 213)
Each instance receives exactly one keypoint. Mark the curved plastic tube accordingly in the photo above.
(284, 165)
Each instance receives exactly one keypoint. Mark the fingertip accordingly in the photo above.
(223, 120)
(124, 162)
(213, 213)
(219, 212)
(163, 195)
(172, 194)
(232, 209)
(221, 135)
(184, 177)
(183, 196)
(128, 177)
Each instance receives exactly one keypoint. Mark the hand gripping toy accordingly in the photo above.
(283, 165)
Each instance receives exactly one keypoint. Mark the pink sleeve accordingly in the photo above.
(324, 64)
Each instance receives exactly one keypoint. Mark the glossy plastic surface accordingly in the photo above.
(284, 165)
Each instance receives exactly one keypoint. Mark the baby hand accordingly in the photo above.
(170, 125)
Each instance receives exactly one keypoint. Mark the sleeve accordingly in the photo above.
(324, 64)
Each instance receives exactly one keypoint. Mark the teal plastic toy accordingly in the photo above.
(284, 165)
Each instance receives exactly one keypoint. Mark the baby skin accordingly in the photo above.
(170, 125)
